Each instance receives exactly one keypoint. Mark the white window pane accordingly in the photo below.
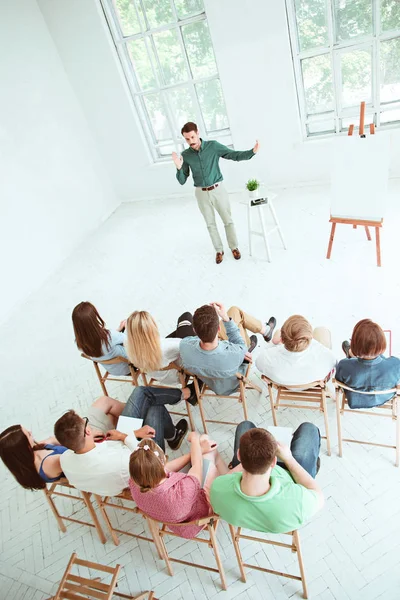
(170, 56)
(156, 112)
(141, 63)
(318, 83)
(186, 8)
(390, 70)
(311, 23)
(127, 16)
(182, 107)
(199, 49)
(356, 77)
(390, 14)
(212, 104)
(353, 18)
(158, 12)
(321, 127)
(389, 116)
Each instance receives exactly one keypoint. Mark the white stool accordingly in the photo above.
(258, 203)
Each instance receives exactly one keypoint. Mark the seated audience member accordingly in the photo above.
(303, 355)
(216, 361)
(97, 460)
(94, 340)
(365, 368)
(265, 496)
(34, 464)
(149, 352)
(176, 491)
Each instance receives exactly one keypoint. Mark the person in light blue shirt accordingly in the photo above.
(217, 361)
(96, 341)
(365, 368)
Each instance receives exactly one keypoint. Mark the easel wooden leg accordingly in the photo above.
(368, 233)
(333, 229)
(272, 209)
(378, 246)
(249, 225)
(264, 233)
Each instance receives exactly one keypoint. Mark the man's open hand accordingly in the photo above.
(256, 147)
(178, 160)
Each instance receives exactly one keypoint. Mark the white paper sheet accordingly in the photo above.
(282, 435)
(359, 176)
(128, 424)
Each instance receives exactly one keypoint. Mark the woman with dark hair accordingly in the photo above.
(96, 341)
(33, 464)
(365, 368)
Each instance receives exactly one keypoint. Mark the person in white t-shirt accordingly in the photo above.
(148, 351)
(300, 354)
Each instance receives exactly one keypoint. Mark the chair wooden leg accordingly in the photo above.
(103, 386)
(368, 233)
(200, 401)
(92, 512)
(106, 519)
(242, 388)
(54, 510)
(165, 555)
(238, 553)
(271, 398)
(396, 411)
(296, 541)
(214, 545)
(155, 534)
(190, 416)
(339, 422)
(325, 411)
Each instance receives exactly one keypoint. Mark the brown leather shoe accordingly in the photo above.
(219, 257)
(236, 254)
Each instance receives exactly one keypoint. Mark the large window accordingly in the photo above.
(168, 59)
(345, 51)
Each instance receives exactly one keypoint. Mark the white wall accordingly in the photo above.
(253, 55)
(53, 187)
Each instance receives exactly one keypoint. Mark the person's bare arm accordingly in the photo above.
(299, 474)
(49, 440)
(178, 463)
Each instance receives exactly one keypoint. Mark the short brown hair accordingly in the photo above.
(368, 339)
(188, 127)
(206, 323)
(70, 431)
(146, 465)
(257, 449)
(296, 333)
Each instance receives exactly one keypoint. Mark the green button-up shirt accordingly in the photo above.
(204, 163)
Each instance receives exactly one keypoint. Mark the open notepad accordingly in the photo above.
(283, 435)
(128, 424)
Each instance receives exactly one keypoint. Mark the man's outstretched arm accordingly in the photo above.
(238, 155)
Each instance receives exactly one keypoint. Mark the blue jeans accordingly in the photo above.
(305, 445)
(147, 403)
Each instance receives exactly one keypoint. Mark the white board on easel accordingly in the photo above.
(359, 177)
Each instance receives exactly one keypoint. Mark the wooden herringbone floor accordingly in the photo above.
(157, 256)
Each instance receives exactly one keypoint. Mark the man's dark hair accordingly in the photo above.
(188, 127)
(70, 431)
(257, 449)
(206, 323)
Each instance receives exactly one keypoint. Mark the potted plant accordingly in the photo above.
(253, 188)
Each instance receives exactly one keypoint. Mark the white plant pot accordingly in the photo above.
(254, 193)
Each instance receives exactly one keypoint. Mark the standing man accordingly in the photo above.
(202, 158)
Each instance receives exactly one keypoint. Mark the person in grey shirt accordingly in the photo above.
(216, 361)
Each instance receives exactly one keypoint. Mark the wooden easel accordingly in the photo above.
(355, 222)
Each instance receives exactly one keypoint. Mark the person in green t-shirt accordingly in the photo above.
(265, 496)
(202, 160)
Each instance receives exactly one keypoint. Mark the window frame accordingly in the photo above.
(137, 94)
(334, 50)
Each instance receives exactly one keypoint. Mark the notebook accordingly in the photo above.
(283, 435)
(128, 424)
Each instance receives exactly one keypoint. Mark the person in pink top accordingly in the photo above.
(175, 491)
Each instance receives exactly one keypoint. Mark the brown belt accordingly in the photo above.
(209, 188)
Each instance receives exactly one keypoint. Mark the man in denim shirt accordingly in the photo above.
(217, 361)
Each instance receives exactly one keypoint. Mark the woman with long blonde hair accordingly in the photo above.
(151, 353)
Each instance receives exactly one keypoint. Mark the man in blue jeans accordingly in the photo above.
(267, 496)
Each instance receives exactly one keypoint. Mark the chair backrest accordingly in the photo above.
(74, 586)
(339, 385)
(299, 387)
(111, 361)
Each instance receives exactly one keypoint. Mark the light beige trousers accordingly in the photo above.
(217, 200)
(243, 321)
